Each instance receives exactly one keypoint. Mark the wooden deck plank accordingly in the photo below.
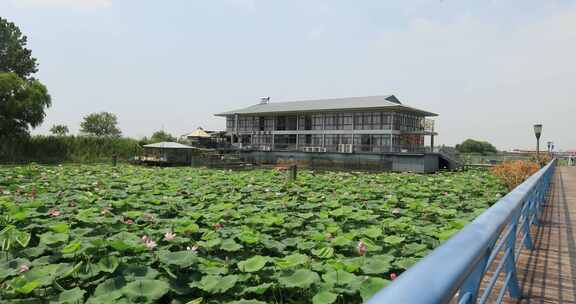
(548, 273)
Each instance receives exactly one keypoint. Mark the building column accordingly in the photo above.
(273, 131)
(236, 129)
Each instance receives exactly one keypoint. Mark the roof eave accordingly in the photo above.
(399, 107)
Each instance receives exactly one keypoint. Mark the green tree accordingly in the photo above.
(476, 146)
(159, 136)
(22, 104)
(23, 99)
(100, 124)
(59, 130)
(14, 56)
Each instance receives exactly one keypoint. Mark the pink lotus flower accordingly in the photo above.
(128, 222)
(54, 213)
(150, 244)
(361, 248)
(169, 236)
(393, 276)
(144, 238)
(23, 268)
(218, 226)
(445, 193)
(396, 211)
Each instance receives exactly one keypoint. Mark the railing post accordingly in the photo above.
(513, 286)
(470, 287)
(529, 210)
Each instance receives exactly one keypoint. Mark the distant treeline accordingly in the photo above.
(57, 149)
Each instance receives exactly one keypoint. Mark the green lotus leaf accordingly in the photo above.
(324, 253)
(338, 277)
(50, 238)
(148, 289)
(292, 260)
(108, 291)
(230, 245)
(24, 286)
(301, 278)
(134, 272)
(216, 284)
(185, 258)
(371, 286)
(393, 240)
(373, 232)
(259, 290)
(377, 264)
(72, 296)
(253, 264)
(108, 264)
(10, 268)
(246, 302)
(60, 228)
(72, 247)
(324, 297)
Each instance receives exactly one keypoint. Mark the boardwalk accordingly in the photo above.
(548, 273)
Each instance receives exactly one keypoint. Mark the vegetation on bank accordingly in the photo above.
(59, 149)
(103, 234)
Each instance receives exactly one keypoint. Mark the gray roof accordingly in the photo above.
(168, 145)
(333, 104)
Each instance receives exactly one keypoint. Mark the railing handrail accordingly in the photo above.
(440, 275)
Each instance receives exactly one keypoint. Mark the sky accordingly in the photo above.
(489, 68)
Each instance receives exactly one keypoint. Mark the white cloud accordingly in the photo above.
(85, 4)
(487, 80)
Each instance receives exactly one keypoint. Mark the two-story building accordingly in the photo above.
(377, 125)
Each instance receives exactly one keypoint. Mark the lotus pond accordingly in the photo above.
(102, 234)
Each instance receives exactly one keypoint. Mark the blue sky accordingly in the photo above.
(489, 68)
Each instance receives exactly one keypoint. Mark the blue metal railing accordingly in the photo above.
(466, 268)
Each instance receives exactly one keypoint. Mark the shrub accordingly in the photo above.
(513, 173)
(56, 149)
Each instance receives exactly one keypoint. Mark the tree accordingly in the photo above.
(22, 104)
(100, 124)
(159, 136)
(59, 130)
(23, 99)
(14, 56)
(476, 146)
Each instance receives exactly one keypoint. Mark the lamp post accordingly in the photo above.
(538, 132)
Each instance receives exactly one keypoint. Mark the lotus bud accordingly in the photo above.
(23, 268)
(361, 248)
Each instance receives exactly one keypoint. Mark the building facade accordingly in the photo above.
(375, 124)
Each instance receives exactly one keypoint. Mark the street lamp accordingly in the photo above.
(538, 132)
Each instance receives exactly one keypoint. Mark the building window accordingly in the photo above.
(317, 122)
(330, 121)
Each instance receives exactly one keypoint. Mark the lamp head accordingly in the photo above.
(538, 130)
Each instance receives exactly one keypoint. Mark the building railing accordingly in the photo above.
(340, 148)
(466, 268)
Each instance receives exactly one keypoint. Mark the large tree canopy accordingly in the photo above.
(476, 146)
(22, 104)
(14, 56)
(100, 124)
(23, 99)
